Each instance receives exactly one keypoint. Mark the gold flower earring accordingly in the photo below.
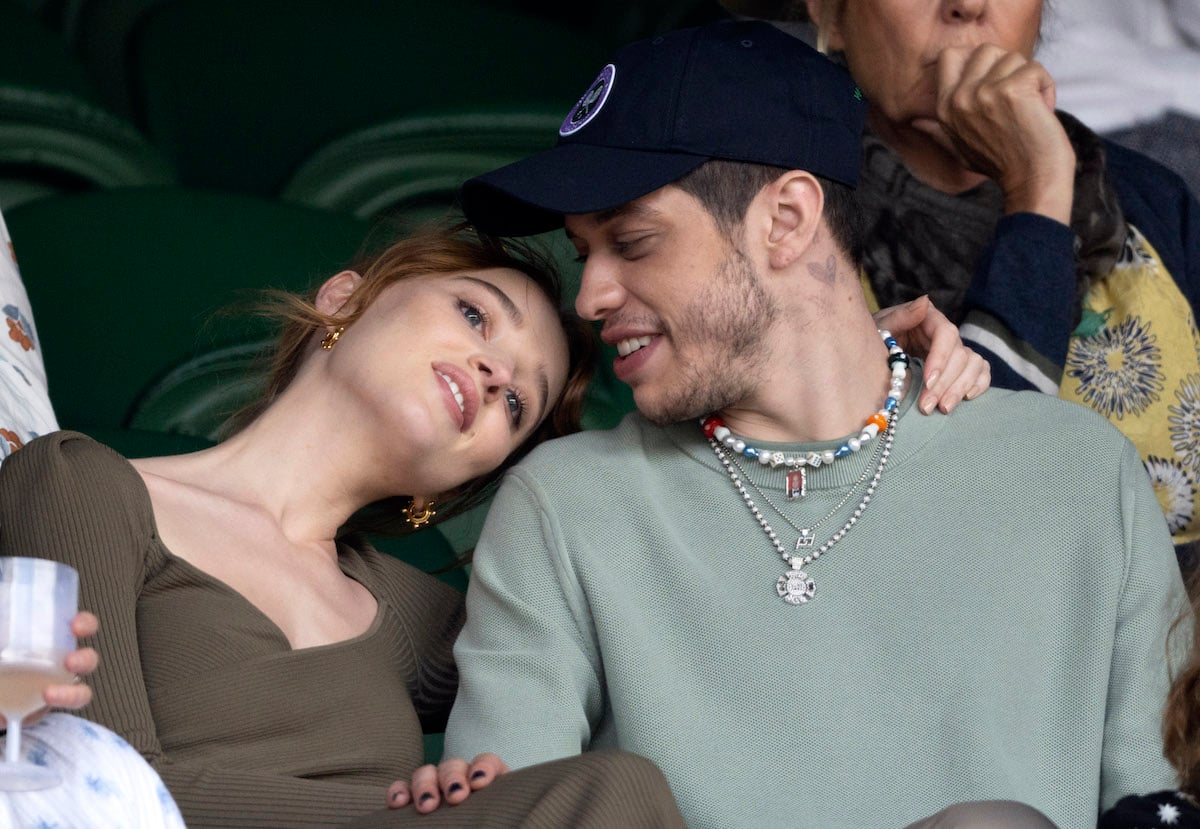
(419, 512)
(331, 337)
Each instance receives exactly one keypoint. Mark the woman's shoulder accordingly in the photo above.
(68, 457)
(1149, 190)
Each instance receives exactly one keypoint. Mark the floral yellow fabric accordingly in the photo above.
(1138, 364)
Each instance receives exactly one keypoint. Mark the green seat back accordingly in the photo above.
(55, 136)
(294, 75)
(127, 283)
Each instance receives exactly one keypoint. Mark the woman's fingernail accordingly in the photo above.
(478, 774)
(396, 795)
(425, 798)
(925, 405)
(455, 787)
(932, 378)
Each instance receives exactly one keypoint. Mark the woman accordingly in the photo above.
(273, 667)
(1073, 264)
(1181, 745)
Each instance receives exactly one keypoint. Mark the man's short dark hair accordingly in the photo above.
(726, 188)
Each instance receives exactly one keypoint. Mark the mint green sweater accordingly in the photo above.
(993, 626)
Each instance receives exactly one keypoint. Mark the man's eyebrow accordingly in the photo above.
(636, 208)
(504, 299)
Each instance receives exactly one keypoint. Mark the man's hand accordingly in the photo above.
(451, 782)
(995, 111)
(953, 372)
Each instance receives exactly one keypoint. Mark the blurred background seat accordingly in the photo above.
(238, 95)
(55, 135)
(128, 283)
(413, 166)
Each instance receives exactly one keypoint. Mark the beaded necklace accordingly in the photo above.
(796, 478)
(795, 586)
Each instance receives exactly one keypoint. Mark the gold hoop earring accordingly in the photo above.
(419, 515)
(331, 337)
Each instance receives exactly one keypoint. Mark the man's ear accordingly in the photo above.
(795, 201)
(333, 295)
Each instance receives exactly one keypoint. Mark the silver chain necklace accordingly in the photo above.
(795, 586)
(806, 537)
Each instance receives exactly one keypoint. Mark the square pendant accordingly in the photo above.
(796, 485)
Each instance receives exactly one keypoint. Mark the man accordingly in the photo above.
(808, 605)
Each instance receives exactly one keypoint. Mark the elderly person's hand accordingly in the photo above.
(79, 662)
(450, 782)
(995, 111)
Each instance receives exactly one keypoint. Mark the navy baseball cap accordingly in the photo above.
(742, 91)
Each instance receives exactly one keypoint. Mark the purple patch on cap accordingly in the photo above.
(590, 104)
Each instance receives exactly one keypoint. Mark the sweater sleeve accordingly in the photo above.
(1152, 597)
(1021, 304)
(530, 674)
(67, 498)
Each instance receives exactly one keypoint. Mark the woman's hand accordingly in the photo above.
(452, 782)
(79, 662)
(995, 111)
(953, 372)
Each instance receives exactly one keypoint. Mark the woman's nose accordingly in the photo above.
(495, 370)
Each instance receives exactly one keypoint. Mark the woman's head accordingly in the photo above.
(891, 46)
(452, 347)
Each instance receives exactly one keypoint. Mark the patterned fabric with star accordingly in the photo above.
(1153, 811)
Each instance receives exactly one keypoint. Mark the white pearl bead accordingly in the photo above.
(721, 432)
(827, 456)
(739, 446)
(764, 458)
(855, 444)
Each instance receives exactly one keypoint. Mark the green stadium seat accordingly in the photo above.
(55, 135)
(127, 283)
(240, 94)
(415, 165)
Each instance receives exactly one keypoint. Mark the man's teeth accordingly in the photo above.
(627, 347)
(454, 389)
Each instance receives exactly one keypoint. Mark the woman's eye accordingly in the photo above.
(516, 407)
(472, 314)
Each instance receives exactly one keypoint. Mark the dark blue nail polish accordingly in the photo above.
(455, 787)
(478, 774)
(425, 798)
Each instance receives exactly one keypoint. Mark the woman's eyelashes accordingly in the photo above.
(473, 314)
(516, 406)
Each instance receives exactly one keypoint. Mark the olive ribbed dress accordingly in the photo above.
(244, 729)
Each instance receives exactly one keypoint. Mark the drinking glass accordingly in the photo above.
(38, 599)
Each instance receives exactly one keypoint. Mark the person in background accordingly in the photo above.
(1072, 263)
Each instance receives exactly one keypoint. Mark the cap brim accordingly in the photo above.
(532, 195)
